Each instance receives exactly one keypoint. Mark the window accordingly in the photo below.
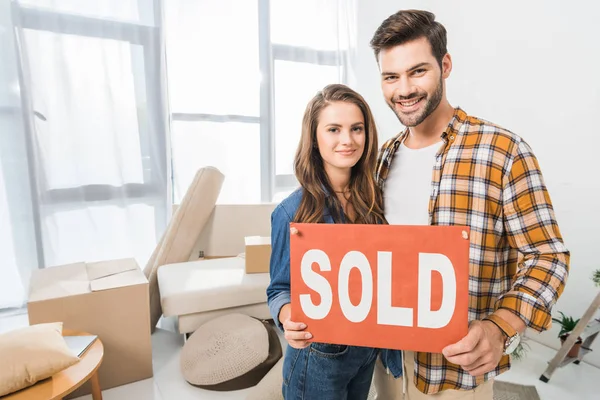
(214, 90)
(228, 145)
(94, 121)
(240, 75)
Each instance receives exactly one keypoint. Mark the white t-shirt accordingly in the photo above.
(408, 185)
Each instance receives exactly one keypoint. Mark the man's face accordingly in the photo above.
(412, 80)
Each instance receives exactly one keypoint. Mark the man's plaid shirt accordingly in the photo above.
(487, 178)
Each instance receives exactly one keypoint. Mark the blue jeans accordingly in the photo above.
(328, 372)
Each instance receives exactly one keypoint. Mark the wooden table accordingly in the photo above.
(70, 379)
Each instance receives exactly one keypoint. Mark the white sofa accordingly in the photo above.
(201, 289)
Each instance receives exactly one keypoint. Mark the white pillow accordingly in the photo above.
(32, 354)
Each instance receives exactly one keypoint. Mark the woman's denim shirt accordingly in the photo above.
(278, 292)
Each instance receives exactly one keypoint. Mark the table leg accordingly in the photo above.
(96, 392)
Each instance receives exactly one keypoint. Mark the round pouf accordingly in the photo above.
(231, 352)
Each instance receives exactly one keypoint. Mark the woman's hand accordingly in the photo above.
(295, 333)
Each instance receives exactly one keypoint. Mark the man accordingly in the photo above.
(449, 168)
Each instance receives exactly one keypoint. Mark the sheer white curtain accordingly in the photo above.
(94, 148)
(17, 240)
(84, 150)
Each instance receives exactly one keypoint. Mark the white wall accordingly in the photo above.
(532, 67)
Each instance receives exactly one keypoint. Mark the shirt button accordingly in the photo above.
(452, 137)
(465, 235)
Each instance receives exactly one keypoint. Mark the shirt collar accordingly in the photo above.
(449, 135)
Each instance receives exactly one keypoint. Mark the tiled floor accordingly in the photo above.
(577, 382)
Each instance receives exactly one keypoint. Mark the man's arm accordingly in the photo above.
(531, 228)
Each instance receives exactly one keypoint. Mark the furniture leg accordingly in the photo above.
(96, 392)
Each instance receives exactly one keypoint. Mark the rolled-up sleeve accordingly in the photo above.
(278, 291)
(532, 229)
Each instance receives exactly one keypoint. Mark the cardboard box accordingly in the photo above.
(109, 299)
(258, 254)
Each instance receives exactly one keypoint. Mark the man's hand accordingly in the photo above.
(295, 333)
(480, 351)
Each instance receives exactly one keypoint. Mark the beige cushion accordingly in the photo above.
(270, 387)
(206, 285)
(31, 354)
(230, 353)
(183, 230)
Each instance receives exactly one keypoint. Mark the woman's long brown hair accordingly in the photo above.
(365, 195)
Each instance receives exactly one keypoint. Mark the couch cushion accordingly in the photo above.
(206, 285)
(232, 352)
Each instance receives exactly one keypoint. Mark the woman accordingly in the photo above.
(334, 164)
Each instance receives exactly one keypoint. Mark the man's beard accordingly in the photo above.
(430, 106)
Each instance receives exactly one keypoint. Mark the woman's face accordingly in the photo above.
(341, 136)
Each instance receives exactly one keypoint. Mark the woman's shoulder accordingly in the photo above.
(289, 205)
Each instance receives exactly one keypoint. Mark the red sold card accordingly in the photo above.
(385, 286)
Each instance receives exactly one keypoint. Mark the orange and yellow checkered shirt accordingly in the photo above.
(487, 178)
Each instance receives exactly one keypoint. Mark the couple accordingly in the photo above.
(446, 168)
